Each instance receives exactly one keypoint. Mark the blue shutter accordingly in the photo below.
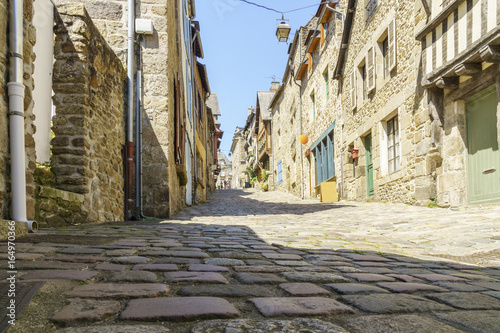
(324, 162)
(318, 165)
(331, 164)
(280, 172)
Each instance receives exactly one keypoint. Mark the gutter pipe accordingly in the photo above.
(16, 112)
(195, 121)
(130, 108)
(300, 117)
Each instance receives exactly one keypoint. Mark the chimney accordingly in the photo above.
(250, 110)
(274, 86)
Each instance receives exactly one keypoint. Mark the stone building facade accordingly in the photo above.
(307, 104)
(238, 162)
(321, 105)
(286, 121)
(172, 98)
(28, 57)
(86, 179)
(385, 115)
(225, 176)
(461, 73)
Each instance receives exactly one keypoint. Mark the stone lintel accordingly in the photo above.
(467, 68)
(490, 53)
(447, 82)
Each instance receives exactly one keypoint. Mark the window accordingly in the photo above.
(189, 93)
(362, 70)
(280, 172)
(370, 69)
(391, 44)
(387, 45)
(324, 31)
(324, 150)
(385, 56)
(313, 101)
(371, 5)
(353, 90)
(187, 28)
(393, 146)
(327, 88)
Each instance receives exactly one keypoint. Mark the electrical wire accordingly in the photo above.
(278, 11)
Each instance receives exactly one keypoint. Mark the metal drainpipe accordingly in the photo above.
(16, 113)
(300, 117)
(193, 102)
(271, 169)
(130, 106)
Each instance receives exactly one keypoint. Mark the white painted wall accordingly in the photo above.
(42, 94)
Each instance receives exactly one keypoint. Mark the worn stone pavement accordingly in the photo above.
(268, 262)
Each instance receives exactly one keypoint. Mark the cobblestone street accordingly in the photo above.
(266, 262)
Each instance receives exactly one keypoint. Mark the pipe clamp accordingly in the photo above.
(16, 89)
(16, 113)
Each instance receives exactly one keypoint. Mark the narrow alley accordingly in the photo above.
(253, 261)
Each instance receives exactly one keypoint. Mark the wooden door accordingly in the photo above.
(483, 164)
(369, 166)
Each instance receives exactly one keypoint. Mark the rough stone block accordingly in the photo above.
(299, 306)
(86, 311)
(115, 290)
(179, 309)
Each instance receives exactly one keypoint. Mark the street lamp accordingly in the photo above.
(283, 30)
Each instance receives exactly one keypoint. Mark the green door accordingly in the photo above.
(369, 166)
(483, 164)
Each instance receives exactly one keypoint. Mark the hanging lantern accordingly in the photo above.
(304, 139)
(283, 30)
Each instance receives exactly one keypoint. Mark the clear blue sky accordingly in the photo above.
(242, 52)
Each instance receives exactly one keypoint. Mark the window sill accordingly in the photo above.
(391, 177)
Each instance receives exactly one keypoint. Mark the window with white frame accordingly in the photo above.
(370, 70)
(279, 168)
(385, 56)
(354, 90)
(387, 43)
(393, 145)
(362, 71)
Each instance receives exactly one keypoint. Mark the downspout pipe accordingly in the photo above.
(195, 115)
(16, 88)
(130, 107)
(300, 119)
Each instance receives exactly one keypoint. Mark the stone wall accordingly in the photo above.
(29, 41)
(89, 127)
(55, 207)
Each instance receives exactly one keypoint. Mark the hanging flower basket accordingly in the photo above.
(355, 153)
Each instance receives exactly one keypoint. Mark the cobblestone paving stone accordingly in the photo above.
(268, 262)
